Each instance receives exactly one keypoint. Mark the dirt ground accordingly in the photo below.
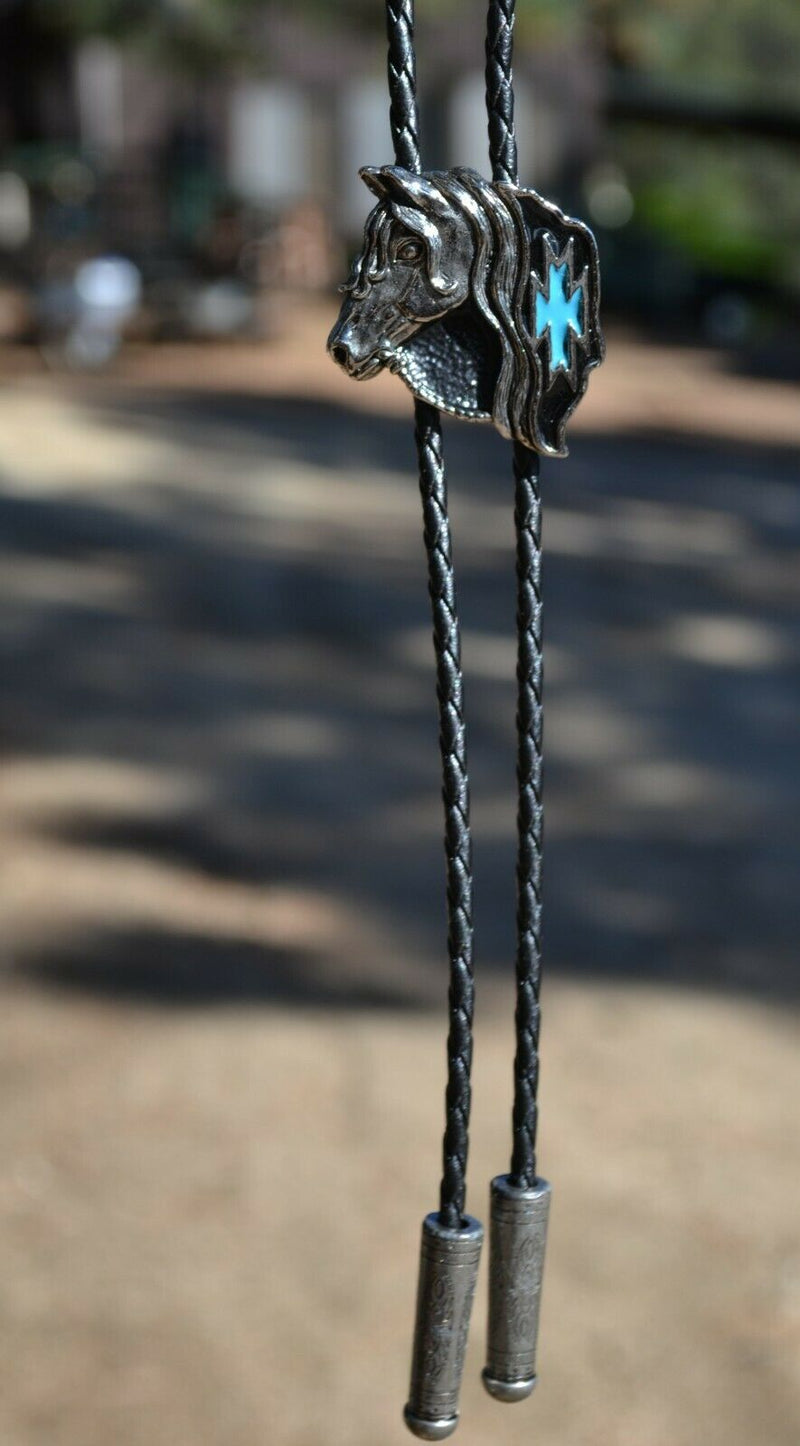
(221, 1040)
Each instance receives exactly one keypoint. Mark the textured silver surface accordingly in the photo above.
(429, 1430)
(448, 1270)
(465, 289)
(518, 1234)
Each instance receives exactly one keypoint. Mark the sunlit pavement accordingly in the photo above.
(222, 1030)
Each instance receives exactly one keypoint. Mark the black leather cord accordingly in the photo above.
(455, 792)
(402, 65)
(528, 524)
(449, 687)
(500, 91)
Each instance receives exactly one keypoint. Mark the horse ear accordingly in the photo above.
(406, 187)
(375, 178)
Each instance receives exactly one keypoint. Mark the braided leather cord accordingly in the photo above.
(455, 793)
(528, 525)
(402, 67)
(500, 91)
(449, 687)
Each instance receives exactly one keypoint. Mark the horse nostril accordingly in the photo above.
(340, 354)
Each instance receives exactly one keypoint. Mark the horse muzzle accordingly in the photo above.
(344, 347)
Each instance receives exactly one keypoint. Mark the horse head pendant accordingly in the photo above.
(482, 297)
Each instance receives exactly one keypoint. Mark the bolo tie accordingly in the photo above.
(483, 297)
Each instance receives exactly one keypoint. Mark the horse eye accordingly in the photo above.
(409, 250)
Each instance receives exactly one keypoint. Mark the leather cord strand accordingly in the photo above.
(528, 526)
(404, 120)
(455, 793)
(402, 69)
(500, 90)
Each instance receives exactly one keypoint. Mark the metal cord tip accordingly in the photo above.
(448, 1269)
(430, 1430)
(516, 1262)
(507, 1390)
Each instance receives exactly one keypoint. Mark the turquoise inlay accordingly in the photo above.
(560, 313)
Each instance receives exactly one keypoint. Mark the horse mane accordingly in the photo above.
(499, 287)
(499, 296)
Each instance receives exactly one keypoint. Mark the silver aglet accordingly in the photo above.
(518, 1234)
(448, 1270)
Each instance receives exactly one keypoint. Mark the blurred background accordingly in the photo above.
(223, 959)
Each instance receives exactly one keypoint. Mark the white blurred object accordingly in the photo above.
(362, 113)
(15, 211)
(83, 320)
(609, 197)
(269, 143)
(218, 309)
(98, 82)
(109, 289)
(110, 285)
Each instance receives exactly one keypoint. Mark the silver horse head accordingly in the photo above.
(483, 298)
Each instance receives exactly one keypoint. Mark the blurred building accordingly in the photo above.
(165, 145)
(236, 149)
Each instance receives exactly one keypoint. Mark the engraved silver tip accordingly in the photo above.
(508, 1390)
(516, 1261)
(429, 1430)
(448, 1269)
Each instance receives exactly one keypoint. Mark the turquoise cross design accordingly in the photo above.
(559, 311)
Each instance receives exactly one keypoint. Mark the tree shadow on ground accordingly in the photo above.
(186, 969)
(242, 620)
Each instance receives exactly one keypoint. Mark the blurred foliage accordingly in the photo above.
(732, 204)
(735, 209)
(189, 34)
(747, 47)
